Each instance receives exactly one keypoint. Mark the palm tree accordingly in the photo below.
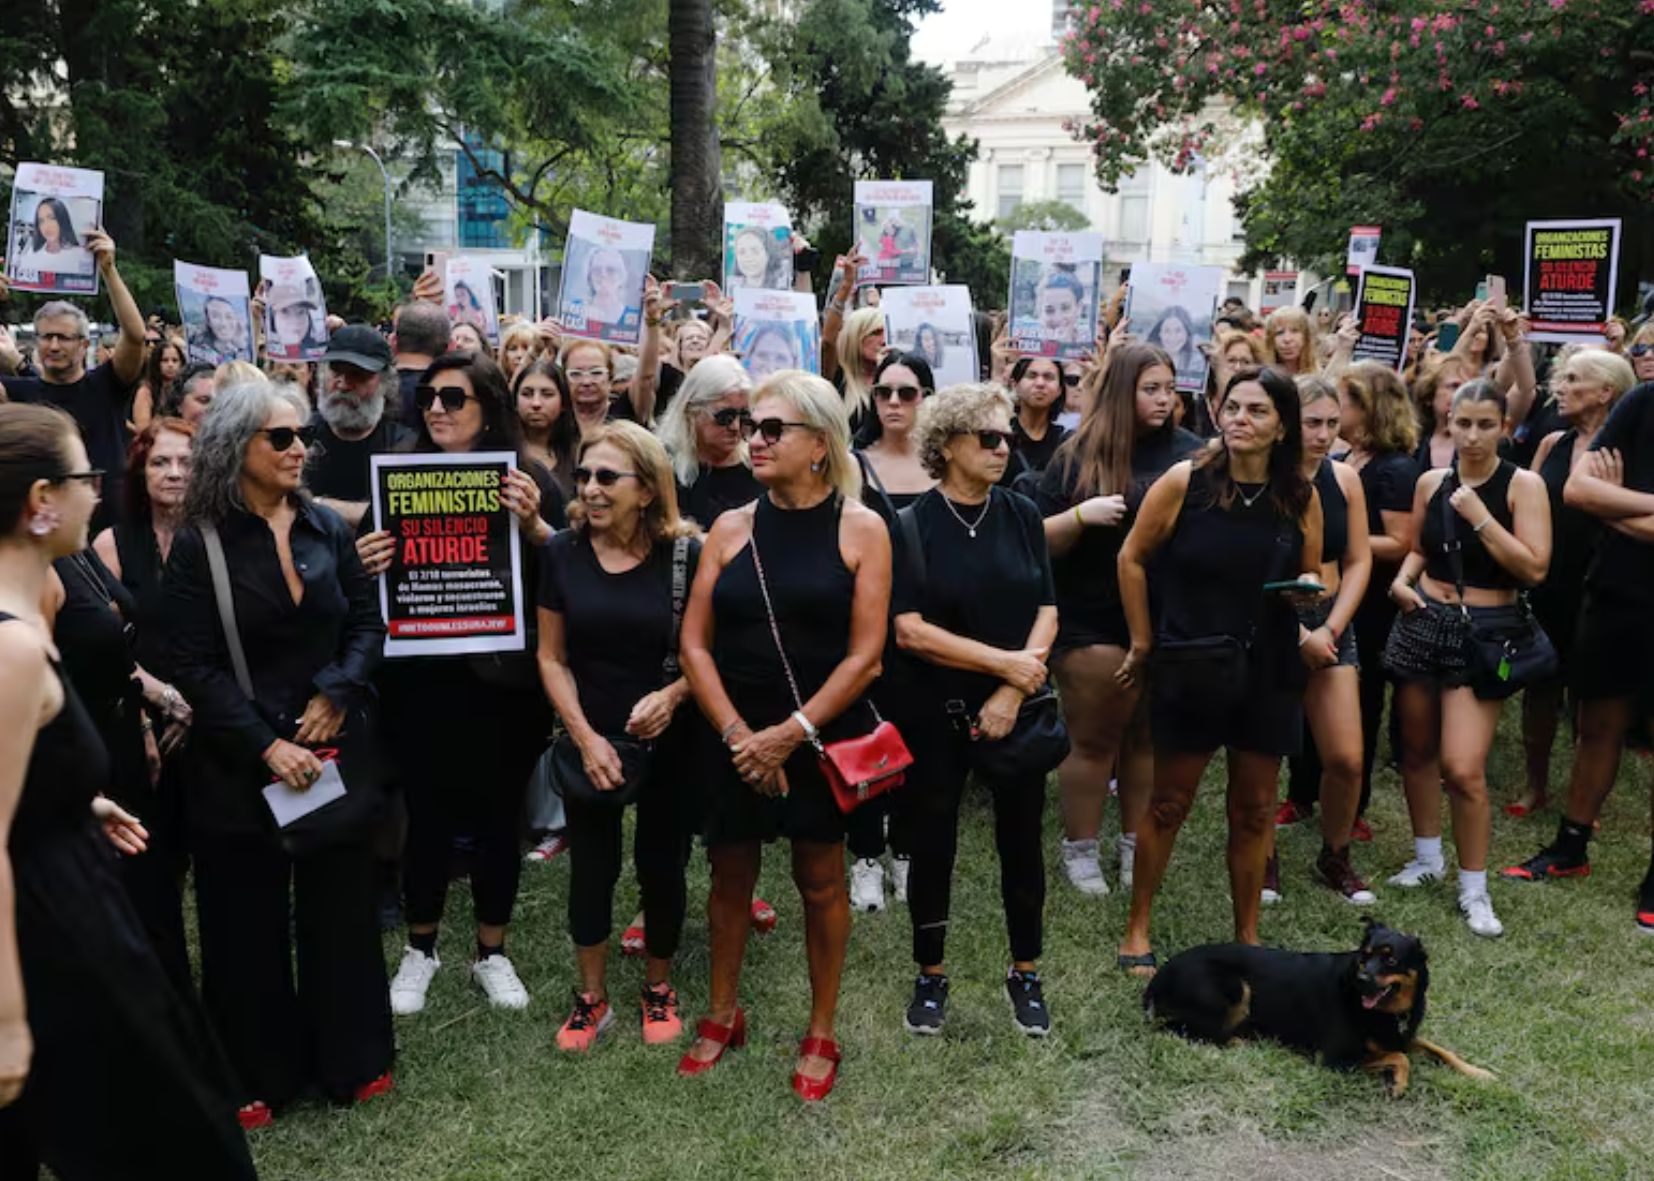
(697, 192)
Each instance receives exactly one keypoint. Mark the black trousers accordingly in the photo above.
(934, 792)
(292, 971)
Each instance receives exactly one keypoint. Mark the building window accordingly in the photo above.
(1071, 185)
(1010, 188)
(483, 208)
(1134, 208)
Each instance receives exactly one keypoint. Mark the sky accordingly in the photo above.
(948, 35)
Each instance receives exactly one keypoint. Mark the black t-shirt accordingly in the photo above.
(97, 403)
(408, 379)
(717, 490)
(342, 468)
(1037, 453)
(988, 588)
(1624, 566)
(616, 627)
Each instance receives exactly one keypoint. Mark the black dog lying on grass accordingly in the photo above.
(1355, 1008)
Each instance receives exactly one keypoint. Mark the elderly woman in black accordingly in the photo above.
(821, 587)
(1227, 673)
(977, 607)
(306, 616)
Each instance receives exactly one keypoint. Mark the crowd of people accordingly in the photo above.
(753, 600)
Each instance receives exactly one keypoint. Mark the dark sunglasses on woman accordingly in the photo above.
(891, 393)
(453, 400)
(1641, 350)
(606, 477)
(992, 440)
(771, 428)
(281, 437)
(1071, 380)
(731, 416)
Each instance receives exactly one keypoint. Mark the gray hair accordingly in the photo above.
(957, 410)
(236, 415)
(712, 378)
(62, 307)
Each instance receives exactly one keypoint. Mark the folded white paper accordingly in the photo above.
(288, 805)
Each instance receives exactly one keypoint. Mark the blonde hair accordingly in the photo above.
(654, 472)
(1606, 368)
(520, 332)
(1291, 318)
(712, 378)
(1312, 387)
(1391, 416)
(820, 408)
(858, 391)
(957, 410)
(1229, 336)
(236, 373)
(1645, 335)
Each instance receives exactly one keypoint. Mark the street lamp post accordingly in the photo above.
(384, 172)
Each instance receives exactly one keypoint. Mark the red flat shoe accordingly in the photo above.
(1521, 810)
(813, 1090)
(728, 1037)
(763, 916)
(255, 1115)
(379, 1086)
(633, 941)
(1361, 830)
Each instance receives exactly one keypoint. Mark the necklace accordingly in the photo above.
(1249, 501)
(970, 526)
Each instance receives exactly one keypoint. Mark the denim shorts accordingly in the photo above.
(1316, 616)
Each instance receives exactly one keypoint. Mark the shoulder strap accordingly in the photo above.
(871, 477)
(226, 606)
(769, 611)
(680, 587)
(1450, 534)
(907, 525)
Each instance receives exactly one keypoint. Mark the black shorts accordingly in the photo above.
(1432, 643)
(1316, 616)
(1613, 651)
(1268, 721)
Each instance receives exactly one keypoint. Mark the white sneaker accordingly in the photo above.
(867, 886)
(1127, 845)
(498, 981)
(554, 844)
(1478, 913)
(1085, 874)
(899, 868)
(1417, 873)
(412, 979)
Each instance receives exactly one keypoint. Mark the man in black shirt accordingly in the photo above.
(96, 400)
(421, 337)
(355, 419)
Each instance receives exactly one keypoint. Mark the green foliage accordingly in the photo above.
(1050, 216)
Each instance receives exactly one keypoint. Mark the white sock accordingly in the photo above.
(1127, 844)
(1472, 882)
(1428, 850)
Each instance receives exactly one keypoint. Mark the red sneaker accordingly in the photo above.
(763, 916)
(379, 1086)
(1290, 813)
(255, 1115)
(1361, 830)
(661, 1023)
(591, 1016)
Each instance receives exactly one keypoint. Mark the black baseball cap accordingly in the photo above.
(359, 345)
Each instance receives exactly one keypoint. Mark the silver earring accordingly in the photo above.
(816, 467)
(44, 521)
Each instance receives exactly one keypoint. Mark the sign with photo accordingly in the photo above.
(1280, 290)
(605, 265)
(1363, 248)
(758, 246)
(776, 330)
(215, 308)
(1173, 307)
(1056, 282)
(468, 294)
(936, 323)
(893, 223)
(52, 207)
(1569, 272)
(295, 314)
(1384, 314)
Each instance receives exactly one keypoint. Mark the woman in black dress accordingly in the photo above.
(701, 430)
(106, 1032)
(825, 566)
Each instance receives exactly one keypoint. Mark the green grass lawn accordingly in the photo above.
(1559, 1008)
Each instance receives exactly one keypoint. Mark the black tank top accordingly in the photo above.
(67, 768)
(1480, 567)
(141, 565)
(1574, 533)
(1335, 514)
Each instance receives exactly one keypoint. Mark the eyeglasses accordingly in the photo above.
(281, 437)
(453, 399)
(59, 338)
(991, 440)
(730, 416)
(92, 478)
(1641, 350)
(890, 393)
(771, 428)
(587, 374)
(1071, 380)
(605, 477)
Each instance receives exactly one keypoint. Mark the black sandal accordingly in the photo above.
(1133, 964)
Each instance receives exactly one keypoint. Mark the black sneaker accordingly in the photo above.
(929, 1006)
(1550, 862)
(1028, 1003)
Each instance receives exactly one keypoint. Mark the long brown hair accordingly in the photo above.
(1392, 421)
(1101, 448)
(33, 446)
(1289, 492)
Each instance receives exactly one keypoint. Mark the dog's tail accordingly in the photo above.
(1452, 1061)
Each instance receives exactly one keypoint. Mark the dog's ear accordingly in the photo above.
(1367, 925)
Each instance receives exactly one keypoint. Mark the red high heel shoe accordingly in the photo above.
(813, 1090)
(255, 1115)
(382, 1085)
(729, 1037)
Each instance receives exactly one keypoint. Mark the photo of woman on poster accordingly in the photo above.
(927, 342)
(465, 308)
(1060, 301)
(607, 285)
(1174, 331)
(295, 319)
(771, 346)
(51, 244)
(220, 334)
(758, 261)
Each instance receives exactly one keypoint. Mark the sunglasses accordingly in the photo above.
(605, 477)
(1071, 380)
(92, 478)
(731, 415)
(281, 437)
(453, 400)
(771, 428)
(890, 393)
(991, 440)
(1641, 350)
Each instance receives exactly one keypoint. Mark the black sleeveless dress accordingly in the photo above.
(811, 589)
(1574, 534)
(127, 1080)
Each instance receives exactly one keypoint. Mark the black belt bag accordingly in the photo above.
(1037, 742)
(1210, 673)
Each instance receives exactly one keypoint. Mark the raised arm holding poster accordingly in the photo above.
(468, 291)
(1363, 248)
(893, 230)
(215, 308)
(452, 586)
(1384, 315)
(52, 207)
(605, 266)
(1173, 307)
(936, 323)
(776, 330)
(1055, 282)
(758, 246)
(295, 315)
(1569, 272)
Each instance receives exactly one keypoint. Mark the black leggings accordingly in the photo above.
(933, 796)
(865, 830)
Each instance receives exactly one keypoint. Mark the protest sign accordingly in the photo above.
(893, 230)
(758, 246)
(1363, 250)
(936, 323)
(453, 584)
(468, 292)
(1384, 314)
(1569, 271)
(776, 330)
(295, 315)
(1280, 290)
(52, 207)
(1173, 307)
(1055, 286)
(605, 265)
(215, 308)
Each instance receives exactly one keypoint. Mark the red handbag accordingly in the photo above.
(857, 769)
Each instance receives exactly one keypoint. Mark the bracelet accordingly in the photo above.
(804, 724)
(835, 305)
(1078, 517)
(1486, 521)
(723, 735)
(655, 323)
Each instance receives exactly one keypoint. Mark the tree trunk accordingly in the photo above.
(697, 190)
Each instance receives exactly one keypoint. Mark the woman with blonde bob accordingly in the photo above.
(861, 343)
(518, 345)
(805, 566)
(1289, 339)
(608, 661)
(701, 431)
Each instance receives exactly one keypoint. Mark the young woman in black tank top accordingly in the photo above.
(1329, 769)
(1501, 524)
(826, 569)
(1218, 530)
(1592, 381)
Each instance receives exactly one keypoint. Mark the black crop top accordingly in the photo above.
(1335, 514)
(1481, 569)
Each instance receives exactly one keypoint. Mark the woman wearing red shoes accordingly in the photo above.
(792, 588)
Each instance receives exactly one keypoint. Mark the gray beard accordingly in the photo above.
(350, 415)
